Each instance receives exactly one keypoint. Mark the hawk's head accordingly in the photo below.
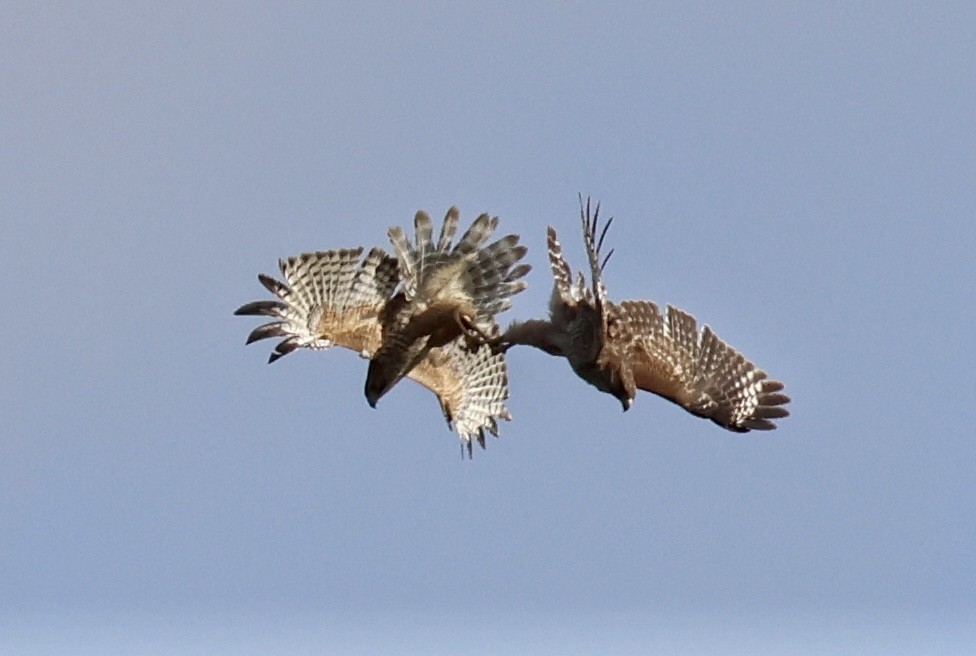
(621, 385)
(615, 378)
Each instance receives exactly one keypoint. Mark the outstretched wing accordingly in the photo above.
(328, 298)
(471, 384)
(698, 371)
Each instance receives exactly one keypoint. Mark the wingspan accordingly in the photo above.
(334, 298)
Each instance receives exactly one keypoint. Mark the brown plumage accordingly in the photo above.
(449, 292)
(620, 348)
(334, 298)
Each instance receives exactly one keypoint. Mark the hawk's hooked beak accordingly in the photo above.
(371, 397)
(375, 386)
(627, 402)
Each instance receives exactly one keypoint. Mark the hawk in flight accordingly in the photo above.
(426, 315)
(622, 347)
(449, 292)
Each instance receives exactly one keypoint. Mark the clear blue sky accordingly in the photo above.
(802, 179)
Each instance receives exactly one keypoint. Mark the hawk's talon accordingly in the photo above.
(474, 334)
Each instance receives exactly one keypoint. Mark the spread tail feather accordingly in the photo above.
(484, 277)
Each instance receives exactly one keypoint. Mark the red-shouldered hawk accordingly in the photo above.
(620, 348)
(420, 331)
(450, 292)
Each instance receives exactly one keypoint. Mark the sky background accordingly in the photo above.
(803, 179)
